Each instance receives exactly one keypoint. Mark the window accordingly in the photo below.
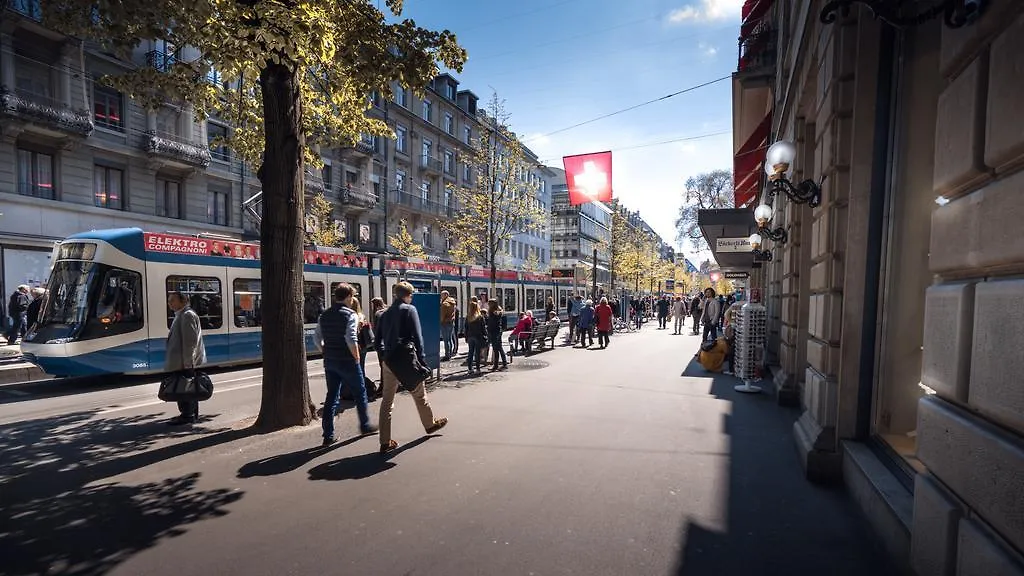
(531, 299)
(204, 297)
(449, 162)
(467, 173)
(358, 295)
(314, 301)
(402, 96)
(449, 123)
(427, 144)
(400, 180)
(352, 230)
(374, 234)
(108, 184)
(425, 189)
(247, 293)
(35, 174)
(219, 133)
(107, 108)
(468, 134)
(449, 91)
(427, 237)
(548, 295)
(168, 199)
(89, 300)
(400, 139)
(168, 122)
(510, 300)
(427, 110)
(351, 178)
(218, 206)
(327, 177)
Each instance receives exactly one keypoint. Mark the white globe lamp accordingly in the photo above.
(779, 160)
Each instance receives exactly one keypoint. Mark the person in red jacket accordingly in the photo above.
(603, 312)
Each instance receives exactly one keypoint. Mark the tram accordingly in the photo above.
(106, 311)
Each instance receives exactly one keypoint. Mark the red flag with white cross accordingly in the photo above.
(589, 177)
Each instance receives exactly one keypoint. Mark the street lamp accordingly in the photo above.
(755, 247)
(763, 216)
(779, 167)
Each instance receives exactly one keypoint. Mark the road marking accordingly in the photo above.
(15, 392)
(215, 392)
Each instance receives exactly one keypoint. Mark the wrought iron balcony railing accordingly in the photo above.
(418, 203)
(430, 163)
(44, 110)
(188, 153)
(757, 51)
(162, 61)
(356, 197)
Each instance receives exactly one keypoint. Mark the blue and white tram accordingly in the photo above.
(106, 312)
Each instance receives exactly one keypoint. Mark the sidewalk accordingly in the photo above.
(574, 462)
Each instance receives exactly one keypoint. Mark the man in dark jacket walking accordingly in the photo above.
(337, 334)
(17, 310)
(400, 324)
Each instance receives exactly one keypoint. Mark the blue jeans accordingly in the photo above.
(448, 337)
(344, 373)
(474, 354)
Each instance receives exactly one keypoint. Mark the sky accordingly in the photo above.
(557, 63)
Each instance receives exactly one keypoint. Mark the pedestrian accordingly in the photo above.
(695, 310)
(447, 323)
(17, 311)
(400, 325)
(575, 307)
(663, 308)
(35, 307)
(710, 316)
(476, 335)
(549, 307)
(337, 333)
(604, 322)
(364, 337)
(184, 352)
(495, 318)
(586, 325)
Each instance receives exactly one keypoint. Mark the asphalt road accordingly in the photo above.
(627, 461)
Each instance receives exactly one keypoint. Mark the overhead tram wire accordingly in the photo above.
(653, 144)
(634, 107)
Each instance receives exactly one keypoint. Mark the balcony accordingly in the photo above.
(31, 9)
(166, 149)
(356, 198)
(757, 56)
(161, 61)
(430, 164)
(417, 203)
(51, 116)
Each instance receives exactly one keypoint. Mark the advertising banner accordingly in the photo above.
(589, 177)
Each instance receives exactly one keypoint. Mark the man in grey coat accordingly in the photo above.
(185, 351)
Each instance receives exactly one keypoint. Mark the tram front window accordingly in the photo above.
(87, 300)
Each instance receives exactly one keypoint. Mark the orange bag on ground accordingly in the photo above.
(713, 358)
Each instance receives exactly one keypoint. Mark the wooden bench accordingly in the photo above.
(540, 334)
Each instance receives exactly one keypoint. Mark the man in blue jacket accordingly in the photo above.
(337, 334)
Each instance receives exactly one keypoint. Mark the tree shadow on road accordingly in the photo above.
(363, 465)
(777, 522)
(59, 513)
(92, 529)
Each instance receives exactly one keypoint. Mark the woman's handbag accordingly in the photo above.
(179, 387)
(405, 364)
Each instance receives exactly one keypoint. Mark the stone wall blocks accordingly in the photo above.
(935, 527)
(981, 464)
(959, 131)
(981, 553)
(997, 363)
(948, 327)
(961, 45)
(1004, 136)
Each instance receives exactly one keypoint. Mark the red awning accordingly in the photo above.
(753, 12)
(748, 164)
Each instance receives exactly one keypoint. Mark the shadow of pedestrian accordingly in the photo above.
(284, 463)
(89, 530)
(363, 465)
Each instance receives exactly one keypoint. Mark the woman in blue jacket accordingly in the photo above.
(586, 324)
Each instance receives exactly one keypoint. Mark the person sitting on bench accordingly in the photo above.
(523, 332)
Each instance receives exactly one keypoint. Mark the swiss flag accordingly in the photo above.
(589, 177)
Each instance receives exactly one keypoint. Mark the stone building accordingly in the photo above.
(895, 307)
(575, 232)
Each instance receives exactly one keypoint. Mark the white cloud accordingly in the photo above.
(707, 50)
(706, 11)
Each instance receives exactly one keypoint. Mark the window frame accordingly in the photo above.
(219, 153)
(212, 192)
(427, 110)
(257, 307)
(107, 173)
(33, 185)
(106, 95)
(401, 139)
(205, 320)
(161, 191)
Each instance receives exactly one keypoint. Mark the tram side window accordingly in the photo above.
(204, 297)
(548, 295)
(248, 294)
(510, 300)
(118, 305)
(358, 296)
(481, 296)
(531, 299)
(453, 291)
(563, 298)
(313, 301)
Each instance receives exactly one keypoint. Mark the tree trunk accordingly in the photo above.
(286, 401)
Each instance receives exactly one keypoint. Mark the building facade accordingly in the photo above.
(894, 305)
(576, 231)
(532, 250)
